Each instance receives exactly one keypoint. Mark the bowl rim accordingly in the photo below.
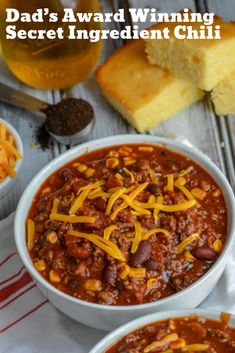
(70, 155)
(114, 336)
(19, 145)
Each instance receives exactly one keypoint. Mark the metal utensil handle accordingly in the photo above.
(20, 99)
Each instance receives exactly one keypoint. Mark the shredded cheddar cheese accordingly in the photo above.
(55, 206)
(187, 241)
(160, 200)
(124, 272)
(108, 231)
(151, 199)
(10, 148)
(71, 219)
(178, 207)
(128, 172)
(92, 186)
(170, 183)
(79, 201)
(30, 234)
(155, 231)
(168, 208)
(132, 196)
(158, 344)
(113, 199)
(106, 245)
(131, 203)
(181, 180)
(137, 239)
(185, 191)
(151, 282)
(189, 256)
(98, 193)
(152, 174)
(132, 272)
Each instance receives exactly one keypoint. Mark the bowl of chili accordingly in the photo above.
(122, 226)
(173, 331)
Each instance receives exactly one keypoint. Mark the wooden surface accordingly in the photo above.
(214, 135)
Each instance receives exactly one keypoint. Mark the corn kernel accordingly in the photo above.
(40, 265)
(125, 150)
(46, 190)
(93, 285)
(181, 180)
(54, 277)
(178, 344)
(128, 161)
(198, 193)
(151, 282)
(217, 245)
(113, 154)
(145, 148)
(89, 172)
(81, 168)
(112, 163)
(172, 325)
(52, 237)
(119, 176)
(216, 193)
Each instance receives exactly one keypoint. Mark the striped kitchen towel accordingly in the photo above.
(28, 322)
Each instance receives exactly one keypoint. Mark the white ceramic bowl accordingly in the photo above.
(112, 338)
(108, 317)
(7, 184)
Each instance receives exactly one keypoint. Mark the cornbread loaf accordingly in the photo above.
(223, 96)
(204, 62)
(144, 94)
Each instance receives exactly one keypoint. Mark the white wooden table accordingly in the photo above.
(214, 135)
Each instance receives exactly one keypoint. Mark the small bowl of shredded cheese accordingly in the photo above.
(11, 156)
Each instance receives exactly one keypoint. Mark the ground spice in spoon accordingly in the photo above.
(68, 117)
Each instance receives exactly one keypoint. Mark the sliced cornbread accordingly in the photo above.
(223, 96)
(205, 62)
(144, 94)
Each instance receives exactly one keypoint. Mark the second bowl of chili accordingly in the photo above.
(126, 228)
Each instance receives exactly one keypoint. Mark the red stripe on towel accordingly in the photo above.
(24, 316)
(18, 296)
(14, 287)
(7, 258)
(12, 277)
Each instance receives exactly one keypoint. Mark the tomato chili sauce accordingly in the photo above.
(126, 225)
(184, 334)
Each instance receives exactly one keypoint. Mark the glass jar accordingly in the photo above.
(50, 63)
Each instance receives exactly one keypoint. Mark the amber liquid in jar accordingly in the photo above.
(50, 64)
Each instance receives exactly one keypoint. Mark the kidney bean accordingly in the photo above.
(110, 274)
(142, 254)
(151, 265)
(100, 204)
(154, 189)
(204, 253)
(66, 174)
(73, 283)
